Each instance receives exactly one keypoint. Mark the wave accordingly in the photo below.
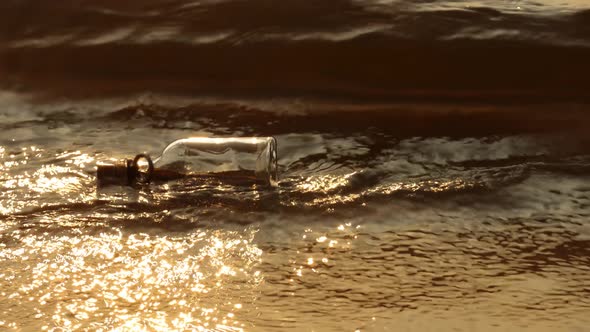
(364, 50)
(341, 168)
(33, 24)
(278, 116)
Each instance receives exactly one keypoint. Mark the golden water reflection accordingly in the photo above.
(113, 280)
(32, 178)
(425, 272)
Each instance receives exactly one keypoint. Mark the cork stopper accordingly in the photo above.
(121, 173)
(125, 172)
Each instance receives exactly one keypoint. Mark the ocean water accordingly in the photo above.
(434, 162)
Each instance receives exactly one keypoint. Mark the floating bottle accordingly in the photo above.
(233, 159)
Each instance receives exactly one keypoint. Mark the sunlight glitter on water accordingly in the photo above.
(28, 184)
(113, 280)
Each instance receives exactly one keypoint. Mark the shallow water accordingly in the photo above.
(434, 166)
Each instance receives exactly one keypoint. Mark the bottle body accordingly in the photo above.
(247, 157)
(232, 160)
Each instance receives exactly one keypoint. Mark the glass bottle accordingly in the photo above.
(241, 159)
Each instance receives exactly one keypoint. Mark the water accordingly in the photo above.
(434, 166)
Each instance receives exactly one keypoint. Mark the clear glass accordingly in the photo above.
(244, 156)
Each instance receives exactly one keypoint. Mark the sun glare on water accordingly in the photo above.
(129, 282)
